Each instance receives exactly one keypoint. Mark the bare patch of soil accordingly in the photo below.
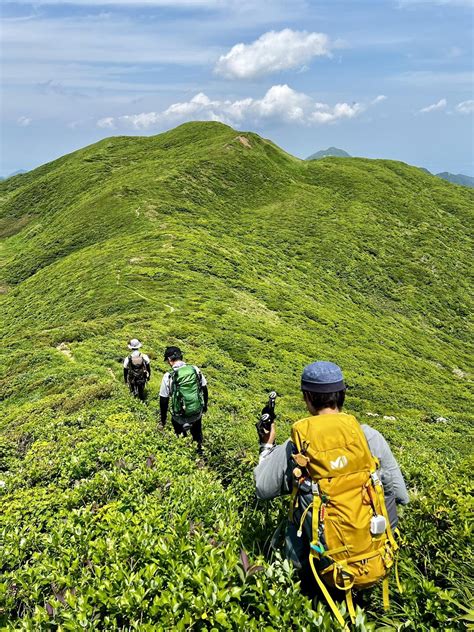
(243, 140)
(64, 349)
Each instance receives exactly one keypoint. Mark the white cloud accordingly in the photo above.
(272, 52)
(324, 114)
(24, 121)
(379, 99)
(440, 105)
(106, 123)
(280, 103)
(206, 15)
(465, 107)
(101, 39)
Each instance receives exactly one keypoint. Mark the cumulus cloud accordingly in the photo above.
(106, 123)
(280, 103)
(272, 52)
(24, 121)
(465, 107)
(440, 105)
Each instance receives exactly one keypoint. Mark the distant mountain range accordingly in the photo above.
(330, 151)
(459, 178)
(15, 173)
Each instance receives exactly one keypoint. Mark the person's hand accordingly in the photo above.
(266, 425)
(268, 436)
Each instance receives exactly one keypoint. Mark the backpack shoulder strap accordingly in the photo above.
(172, 380)
(198, 375)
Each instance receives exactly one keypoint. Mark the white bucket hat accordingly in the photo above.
(134, 344)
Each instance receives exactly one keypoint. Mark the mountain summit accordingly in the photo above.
(330, 151)
(458, 178)
(254, 263)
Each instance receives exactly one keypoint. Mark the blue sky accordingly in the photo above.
(380, 78)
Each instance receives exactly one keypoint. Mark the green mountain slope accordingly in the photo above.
(334, 152)
(255, 263)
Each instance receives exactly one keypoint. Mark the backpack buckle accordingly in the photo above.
(301, 460)
(375, 478)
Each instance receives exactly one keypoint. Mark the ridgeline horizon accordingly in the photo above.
(254, 263)
(455, 178)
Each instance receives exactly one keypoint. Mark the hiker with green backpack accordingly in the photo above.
(344, 483)
(186, 387)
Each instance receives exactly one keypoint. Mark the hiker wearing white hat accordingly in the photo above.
(136, 369)
(134, 344)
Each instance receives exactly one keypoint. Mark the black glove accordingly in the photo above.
(267, 410)
(264, 424)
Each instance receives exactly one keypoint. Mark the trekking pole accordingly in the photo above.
(271, 400)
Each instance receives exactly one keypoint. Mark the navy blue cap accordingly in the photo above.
(173, 353)
(322, 377)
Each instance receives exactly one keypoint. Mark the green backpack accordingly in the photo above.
(186, 392)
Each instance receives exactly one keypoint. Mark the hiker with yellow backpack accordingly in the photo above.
(344, 483)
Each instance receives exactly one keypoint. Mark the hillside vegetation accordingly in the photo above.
(254, 263)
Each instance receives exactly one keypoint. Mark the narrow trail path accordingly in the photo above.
(147, 298)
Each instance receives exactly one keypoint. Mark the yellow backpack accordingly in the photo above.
(352, 542)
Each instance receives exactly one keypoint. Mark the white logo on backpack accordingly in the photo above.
(339, 463)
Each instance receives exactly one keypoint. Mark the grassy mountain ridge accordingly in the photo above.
(335, 152)
(255, 263)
